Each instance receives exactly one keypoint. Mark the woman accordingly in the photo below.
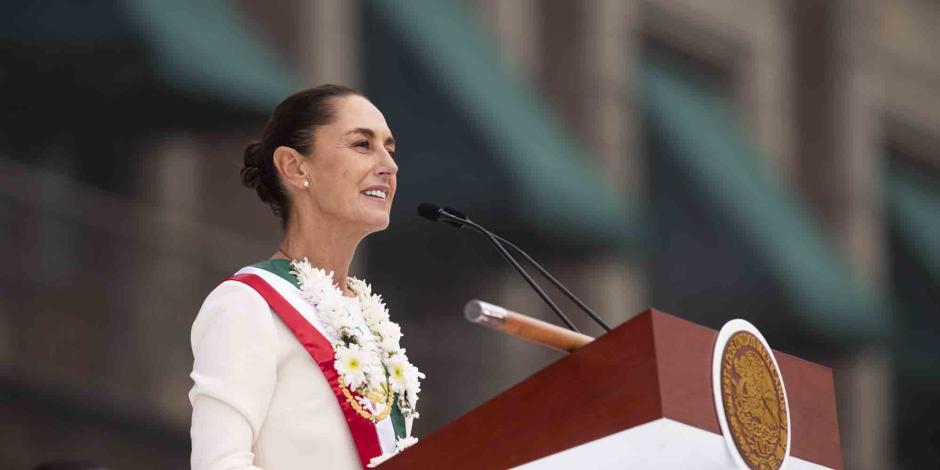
(297, 365)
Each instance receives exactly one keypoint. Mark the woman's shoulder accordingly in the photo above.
(232, 305)
(232, 291)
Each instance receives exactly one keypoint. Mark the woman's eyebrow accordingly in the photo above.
(371, 134)
(362, 130)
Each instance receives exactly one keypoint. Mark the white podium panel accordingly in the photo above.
(658, 444)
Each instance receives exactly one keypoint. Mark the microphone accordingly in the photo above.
(555, 282)
(458, 219)
(434, 213)
(437, 213)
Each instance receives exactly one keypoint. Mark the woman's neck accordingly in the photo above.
(326, 245)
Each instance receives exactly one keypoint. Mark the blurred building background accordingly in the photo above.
(776, 160)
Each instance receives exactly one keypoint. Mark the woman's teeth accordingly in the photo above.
(375, 193)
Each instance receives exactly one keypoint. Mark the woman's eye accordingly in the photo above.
(391, 152)
(363, 144)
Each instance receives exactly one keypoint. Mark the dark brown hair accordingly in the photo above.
(292, 124)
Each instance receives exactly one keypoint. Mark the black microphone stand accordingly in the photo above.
(556, 283)
(515, 264)
(456, 218)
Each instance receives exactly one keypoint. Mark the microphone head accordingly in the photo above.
(455, 212)
(429, 211)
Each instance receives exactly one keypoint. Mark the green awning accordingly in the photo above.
(716, 155)
(203, 51)
(913, 207)
(207, 48)
(533, 148)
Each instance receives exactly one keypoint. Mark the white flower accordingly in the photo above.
(363, 356)
(398, 373)
(310, 277)
(400, 445)
(404, 379)
(332, 315)
(390, 336)
(376, 461)
(376, 376)
(405, 443)
(362, 290)
(374, 312)
(351, 364)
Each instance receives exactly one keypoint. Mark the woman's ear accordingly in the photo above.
(292, 167)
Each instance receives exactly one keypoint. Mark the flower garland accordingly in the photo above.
(369, 360)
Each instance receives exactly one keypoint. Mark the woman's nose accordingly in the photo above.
(388, 164)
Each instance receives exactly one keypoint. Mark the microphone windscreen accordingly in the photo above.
(455, 212)
(429, 211)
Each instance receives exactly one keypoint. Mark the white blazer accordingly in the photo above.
(259, 400)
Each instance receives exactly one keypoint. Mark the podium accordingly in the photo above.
(638, 397)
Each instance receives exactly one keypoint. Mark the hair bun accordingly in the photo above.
(251, 173)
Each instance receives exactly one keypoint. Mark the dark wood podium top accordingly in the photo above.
(653, 366)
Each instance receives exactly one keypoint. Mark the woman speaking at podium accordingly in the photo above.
(297, 364)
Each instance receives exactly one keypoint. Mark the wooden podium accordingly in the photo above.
(638, 397)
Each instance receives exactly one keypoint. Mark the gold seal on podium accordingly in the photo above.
(754, 406)
(750, 398)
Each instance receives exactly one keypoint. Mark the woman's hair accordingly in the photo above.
(292, 124)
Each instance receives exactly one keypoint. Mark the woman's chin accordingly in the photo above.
(377, 222)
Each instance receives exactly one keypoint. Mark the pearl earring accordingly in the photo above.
(306, 184)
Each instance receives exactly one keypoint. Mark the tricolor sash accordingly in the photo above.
(371, 440)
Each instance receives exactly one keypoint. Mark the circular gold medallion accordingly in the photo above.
(754, 401)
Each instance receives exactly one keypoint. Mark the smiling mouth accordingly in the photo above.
(376, 193)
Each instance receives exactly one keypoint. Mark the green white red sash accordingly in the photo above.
(371, 440)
